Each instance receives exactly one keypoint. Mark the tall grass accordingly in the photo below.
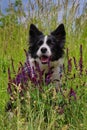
(45, 110)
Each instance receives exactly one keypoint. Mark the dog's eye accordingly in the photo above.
(49, 42)
(40, 43)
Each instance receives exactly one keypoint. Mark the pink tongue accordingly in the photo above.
(44, 59)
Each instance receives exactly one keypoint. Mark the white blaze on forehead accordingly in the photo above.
(45, 42)
(45, 39)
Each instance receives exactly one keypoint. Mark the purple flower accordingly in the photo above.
(48, 76)
(75, 62)
(69, 65)
(81, 61)
(72, 93)
(27, 73)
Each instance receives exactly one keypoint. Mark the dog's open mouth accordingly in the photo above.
(44, 59)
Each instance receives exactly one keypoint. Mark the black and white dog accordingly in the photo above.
(43, 49)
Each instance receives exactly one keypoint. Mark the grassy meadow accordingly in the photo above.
(47, 110)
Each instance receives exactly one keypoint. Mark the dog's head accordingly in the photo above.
(49, 47)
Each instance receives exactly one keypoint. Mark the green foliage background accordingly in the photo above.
(14, 27)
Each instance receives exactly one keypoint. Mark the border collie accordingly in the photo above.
(47, 52)
(43, 49)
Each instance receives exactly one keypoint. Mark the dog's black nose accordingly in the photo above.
(43, 50)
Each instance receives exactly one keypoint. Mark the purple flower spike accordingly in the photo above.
(72, 93)
(48, 79)
(48, 76)
(26, 73)
(81, 61)
(75, 62)
(40, 74)
(70, 65)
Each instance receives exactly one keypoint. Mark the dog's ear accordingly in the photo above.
(60, 35)
(33, 32)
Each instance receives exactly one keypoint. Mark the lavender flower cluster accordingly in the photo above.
(22, 79)
(26, 74)
(79, 66)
